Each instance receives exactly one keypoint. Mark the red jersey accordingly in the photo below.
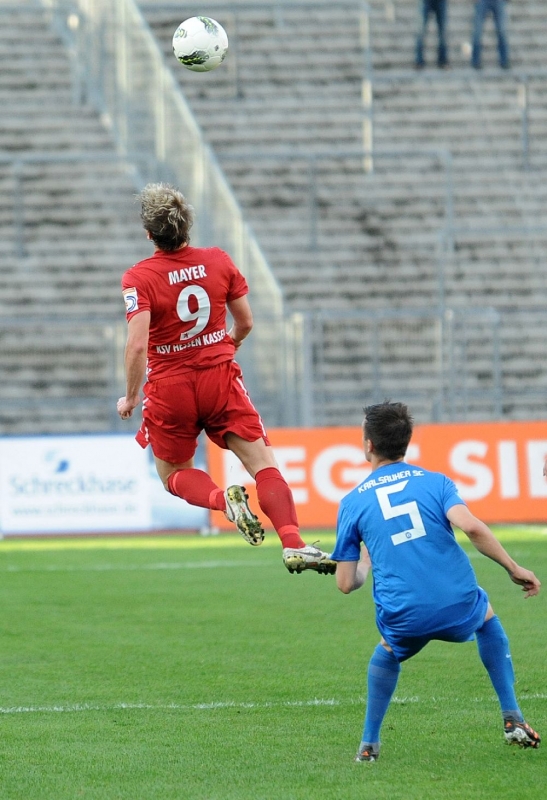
(186, 293)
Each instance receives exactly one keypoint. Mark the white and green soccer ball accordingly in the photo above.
(200, 44)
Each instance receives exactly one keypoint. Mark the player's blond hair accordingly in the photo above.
(166, 215)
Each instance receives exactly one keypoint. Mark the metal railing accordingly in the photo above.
(314, 164)
(280, 14)
(521, 103)
(277, 393)
(123, 71)
(65, 374)
(526, 105)
(23, 166)
(458, 365)
(61, 374)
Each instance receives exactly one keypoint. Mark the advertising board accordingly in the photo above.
(496, 466)
(85, 484)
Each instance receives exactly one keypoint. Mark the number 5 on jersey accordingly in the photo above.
(391, 511)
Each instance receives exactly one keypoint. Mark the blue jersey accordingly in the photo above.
(423, 580)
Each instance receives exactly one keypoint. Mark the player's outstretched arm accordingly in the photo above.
(486, 543)
(135, 362)
(351, 575)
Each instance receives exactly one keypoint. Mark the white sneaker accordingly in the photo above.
(299, 559)
(238, 512)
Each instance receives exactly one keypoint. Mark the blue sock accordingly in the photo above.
(383, 674)
(494, 652)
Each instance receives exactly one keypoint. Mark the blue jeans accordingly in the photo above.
(482, 8)
(439, 8)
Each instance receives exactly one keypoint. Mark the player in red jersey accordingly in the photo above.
(176, 304)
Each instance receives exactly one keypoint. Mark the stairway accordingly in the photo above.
(285, 117)
(68, 229)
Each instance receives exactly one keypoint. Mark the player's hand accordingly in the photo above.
(236, 343)
(525, 578)
(125, 407)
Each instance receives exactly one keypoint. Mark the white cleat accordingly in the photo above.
(238, 512)
(299, 559)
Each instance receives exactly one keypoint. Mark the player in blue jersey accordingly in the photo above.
(398, 523)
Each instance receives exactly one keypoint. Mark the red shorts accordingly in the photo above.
(176, 410)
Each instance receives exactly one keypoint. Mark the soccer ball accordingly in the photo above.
(200, 44)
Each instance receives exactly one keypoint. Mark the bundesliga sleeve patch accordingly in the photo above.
(131, 299)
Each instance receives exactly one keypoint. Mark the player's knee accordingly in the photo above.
(167, 482)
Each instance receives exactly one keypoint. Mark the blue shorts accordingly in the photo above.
(405, 647)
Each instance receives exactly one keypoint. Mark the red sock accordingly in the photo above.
(276, 501)
(197, 488)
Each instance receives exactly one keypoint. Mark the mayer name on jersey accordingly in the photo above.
(186, 293)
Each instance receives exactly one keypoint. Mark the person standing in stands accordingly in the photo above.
(498, 9)
(439, 8)
(176, 306)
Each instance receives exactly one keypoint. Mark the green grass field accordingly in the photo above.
(198, 668)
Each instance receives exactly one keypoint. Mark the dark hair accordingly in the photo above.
(166, 215)
(389, 427)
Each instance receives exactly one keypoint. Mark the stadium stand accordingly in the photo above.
(67, 230)
(392, 267)
(450, 216)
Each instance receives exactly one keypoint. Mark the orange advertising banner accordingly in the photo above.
(497, 466)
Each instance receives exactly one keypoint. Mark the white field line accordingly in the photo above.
(214, 706)
(173, 565)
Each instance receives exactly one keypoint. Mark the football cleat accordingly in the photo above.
(238, 512)
(369, 753)
(298, 559)
(520, 733)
